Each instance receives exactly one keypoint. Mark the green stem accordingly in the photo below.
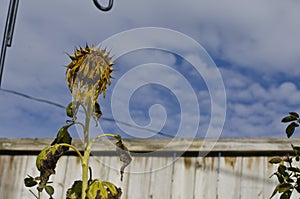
(87, 150)
(74, 148)
(117, 137)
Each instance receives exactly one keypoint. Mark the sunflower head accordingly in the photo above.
(89, 73)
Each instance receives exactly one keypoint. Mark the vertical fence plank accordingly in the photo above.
(30, 169)
(183, 179)
(59, 177)
(115, 177)
(73, 171)
(161, 178)
(4, 183)
(139, 177)
(270, 183)
(229, 177)
(12, 177)
(100, 167)
(206, 177)
(252, 181)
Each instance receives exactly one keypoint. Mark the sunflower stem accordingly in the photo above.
(87, 149)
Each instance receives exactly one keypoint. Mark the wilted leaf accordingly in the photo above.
(289, 118)
(96, 112)
(124, 154)
(290, 129)
(46, 163)
(294, 114)
(75, 191)
(275, 160)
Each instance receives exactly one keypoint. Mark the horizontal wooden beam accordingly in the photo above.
(152, 147)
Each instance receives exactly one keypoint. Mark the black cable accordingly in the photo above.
(32, 98)
(63, 107)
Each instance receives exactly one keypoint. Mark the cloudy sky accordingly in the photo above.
(255, 46)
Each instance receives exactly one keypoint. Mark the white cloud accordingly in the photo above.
(260, 36)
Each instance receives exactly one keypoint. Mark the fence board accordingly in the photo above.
(226, 146)
(183, 179)
(161, 178)
(139, 178)
(206, 178)
(229, 177)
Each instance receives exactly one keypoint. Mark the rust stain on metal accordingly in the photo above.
(231, 161)
(187, 162)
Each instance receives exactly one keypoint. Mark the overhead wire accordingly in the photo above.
(109, 119)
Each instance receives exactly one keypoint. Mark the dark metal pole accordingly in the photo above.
(8, 32)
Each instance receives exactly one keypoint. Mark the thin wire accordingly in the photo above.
(63, 107)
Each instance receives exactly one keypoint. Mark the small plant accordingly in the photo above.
(87, 75)
(288, 171)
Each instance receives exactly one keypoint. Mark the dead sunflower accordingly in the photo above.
(89, 73)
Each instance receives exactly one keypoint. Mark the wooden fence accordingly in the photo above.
(230, 169)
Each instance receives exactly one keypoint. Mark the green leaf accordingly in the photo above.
(289, 118)
(279, 177)
(113, 191)
(72, 109)
(281, 169)
(63, 136)
(75, 191)
(297, 188)
(111, 187)
(96, 190)
(284, 187)
(42, 156)
(49, 189)
(286, 195)
(275, 160)
(294, 169)
(296, 149)
(30, 182)
(294, 114)
(274, 192)
(290, 129)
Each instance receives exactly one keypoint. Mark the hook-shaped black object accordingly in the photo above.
(99, 6)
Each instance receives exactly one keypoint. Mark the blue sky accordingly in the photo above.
(254, 44)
